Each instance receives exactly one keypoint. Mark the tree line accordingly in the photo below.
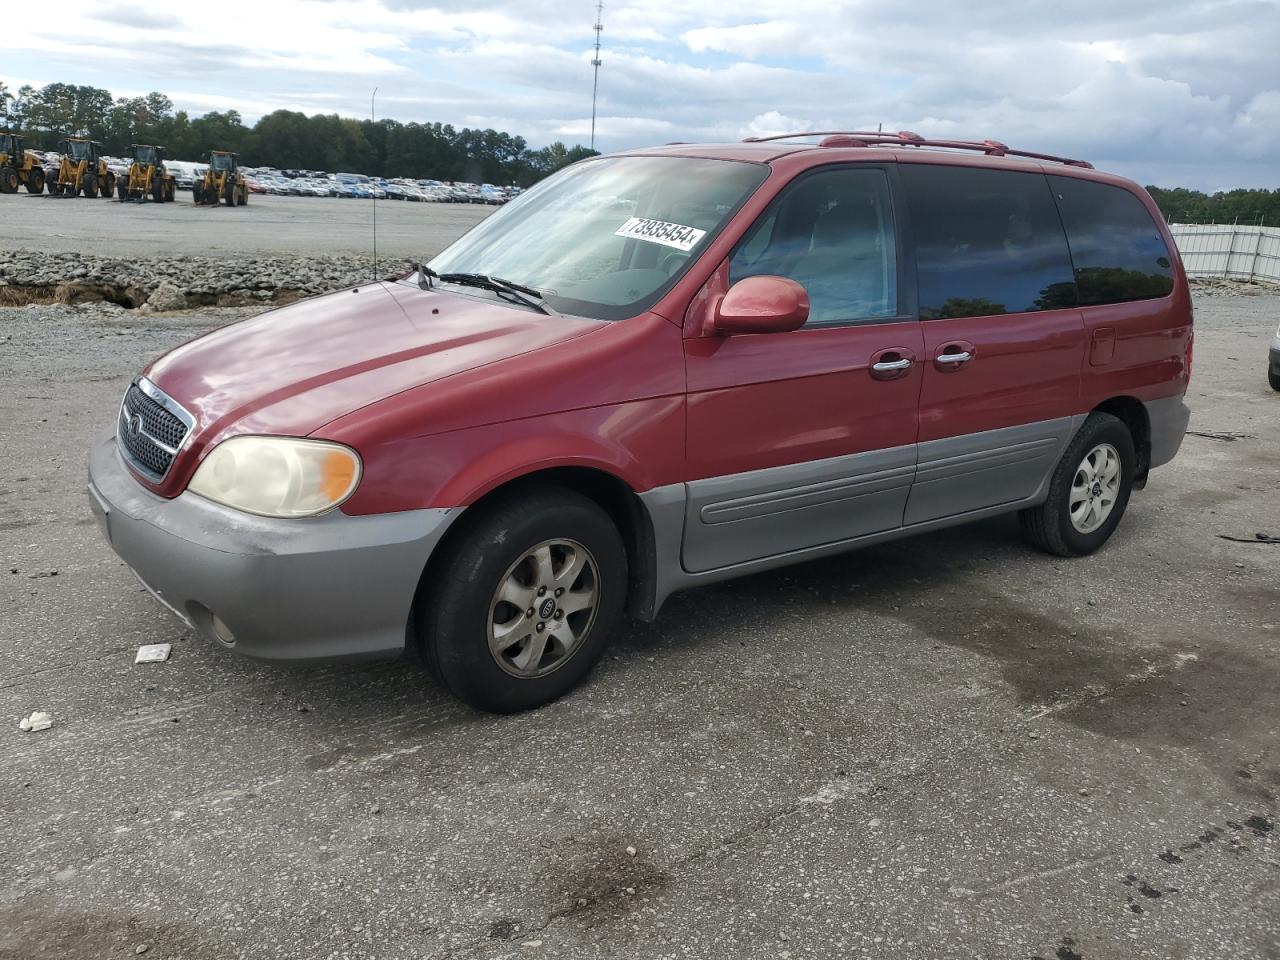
(284, 139)
(1246, 207)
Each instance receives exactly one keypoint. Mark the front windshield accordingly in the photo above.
(79, 149)
(221, 162)
(607, 238)
(7, 144)
(145, 155)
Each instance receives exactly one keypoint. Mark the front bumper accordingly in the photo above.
(319, 588)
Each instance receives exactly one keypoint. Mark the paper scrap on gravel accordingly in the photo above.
(37, 721)
(153, 652)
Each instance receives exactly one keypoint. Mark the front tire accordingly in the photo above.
(1273, 378)
(526, 600)
(1088, 492)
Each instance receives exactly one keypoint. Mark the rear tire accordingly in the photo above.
(8, 180)
(35, 180)
(1273, 378)
(528, 546)
(1088, 492)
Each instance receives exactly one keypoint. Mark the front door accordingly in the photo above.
(801, 439)
(1003, 340)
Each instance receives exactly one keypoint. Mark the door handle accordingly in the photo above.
(953, 355)
(892, 363)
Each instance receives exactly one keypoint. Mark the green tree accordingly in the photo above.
(1180, 205)
(217, 131)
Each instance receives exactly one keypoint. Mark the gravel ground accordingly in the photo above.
(945, 747)
(179, 257)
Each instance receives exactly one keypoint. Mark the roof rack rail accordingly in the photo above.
(905, 138)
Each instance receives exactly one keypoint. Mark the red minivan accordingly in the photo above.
(656, 370)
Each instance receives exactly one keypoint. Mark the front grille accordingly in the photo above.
(151, 429)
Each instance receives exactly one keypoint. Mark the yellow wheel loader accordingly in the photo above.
(222, 183)
(83, 171)
(17, 167)
(147, 177)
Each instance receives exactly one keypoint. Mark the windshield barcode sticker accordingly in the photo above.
(659, 231)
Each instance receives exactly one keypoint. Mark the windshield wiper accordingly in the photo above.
(515, 292)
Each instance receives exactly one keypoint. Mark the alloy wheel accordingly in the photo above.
(1095, 488)
(543, 609)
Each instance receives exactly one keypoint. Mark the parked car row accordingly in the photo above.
(312, 183)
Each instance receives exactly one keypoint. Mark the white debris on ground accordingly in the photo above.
(39, 720)
(153, 653)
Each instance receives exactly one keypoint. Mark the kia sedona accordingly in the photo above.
(656, 370)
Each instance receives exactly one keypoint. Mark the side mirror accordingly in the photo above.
(762, 305)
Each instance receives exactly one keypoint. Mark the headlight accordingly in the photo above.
(278, 476)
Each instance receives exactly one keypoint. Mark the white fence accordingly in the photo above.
(1228, 251)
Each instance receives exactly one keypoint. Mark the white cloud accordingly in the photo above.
(772, 123)
(750, 40)
(639, 128)
(1151, 89)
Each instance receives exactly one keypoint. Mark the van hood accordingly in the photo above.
(291, 371)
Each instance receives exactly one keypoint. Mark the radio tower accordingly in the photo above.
(595, 63)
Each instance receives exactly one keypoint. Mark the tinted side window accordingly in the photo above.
(1118, 252)
(833, 232)
(987, 242)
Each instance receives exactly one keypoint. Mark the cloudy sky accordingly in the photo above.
(1172, 92)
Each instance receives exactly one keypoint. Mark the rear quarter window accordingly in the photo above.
(1118, 252)
(988, 242)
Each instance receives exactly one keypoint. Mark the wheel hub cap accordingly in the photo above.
(543, 608)
(1095, 488)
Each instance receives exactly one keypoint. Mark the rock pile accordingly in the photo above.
(180, 282)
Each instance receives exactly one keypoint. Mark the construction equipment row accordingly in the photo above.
(84, 172)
